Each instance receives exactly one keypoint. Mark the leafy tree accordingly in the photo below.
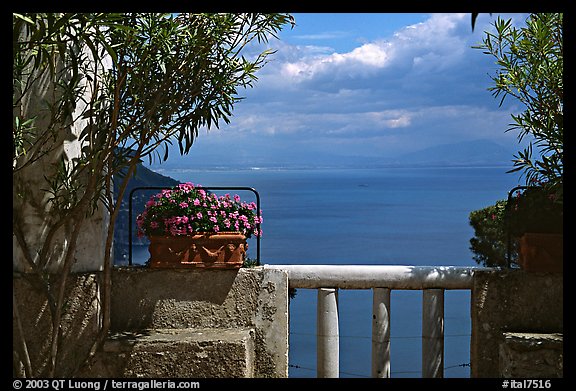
(490, 241)
(122, 87)
(530, 70)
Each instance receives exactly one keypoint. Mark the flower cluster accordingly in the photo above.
(188, 209)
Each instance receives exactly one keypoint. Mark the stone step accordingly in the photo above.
(178, 353)
(531, 355)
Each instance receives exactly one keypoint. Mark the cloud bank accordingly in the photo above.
(422, 86)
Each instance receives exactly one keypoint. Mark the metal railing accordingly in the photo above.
(432, 280)
(508, 222)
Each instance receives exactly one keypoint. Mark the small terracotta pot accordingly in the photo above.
(540, 252)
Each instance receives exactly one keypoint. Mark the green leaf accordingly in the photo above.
(24, 18)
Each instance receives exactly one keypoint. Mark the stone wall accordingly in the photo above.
(508, 302)
(200, 316)
(32, 327)
(164, 323)
(32, 208)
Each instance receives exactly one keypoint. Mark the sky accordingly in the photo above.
(351, 87)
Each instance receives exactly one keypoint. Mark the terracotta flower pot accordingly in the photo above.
(541, 252)
(225, 250)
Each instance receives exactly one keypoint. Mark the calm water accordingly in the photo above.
(393, 216)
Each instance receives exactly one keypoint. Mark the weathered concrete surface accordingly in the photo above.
(253, 298)
(511, 301)
(32, 209)
(145, 298)
(531, 355)
(242, 315)
(80, 324)
(178, 353)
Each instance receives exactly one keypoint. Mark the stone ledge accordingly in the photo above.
(534, 341)
(531, 355)
(179, 353)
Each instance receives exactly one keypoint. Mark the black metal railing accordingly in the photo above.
(209, 188)
(509, 224)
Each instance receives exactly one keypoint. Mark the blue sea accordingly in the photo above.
(384, 216)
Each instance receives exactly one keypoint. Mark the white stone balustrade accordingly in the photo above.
(432, 280)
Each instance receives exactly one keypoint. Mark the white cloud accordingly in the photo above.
(370, 54)
(434, 44)
(349, 124)
(422, 86)
(361, 61)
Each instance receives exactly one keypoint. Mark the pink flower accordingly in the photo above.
(224, 212)
(186, 187)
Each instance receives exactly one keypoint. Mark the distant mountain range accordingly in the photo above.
(470, 153)
(467, 153)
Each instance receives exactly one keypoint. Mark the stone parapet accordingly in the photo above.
(163, 323)
(531, 355)
(511, 301)
(215, 301)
